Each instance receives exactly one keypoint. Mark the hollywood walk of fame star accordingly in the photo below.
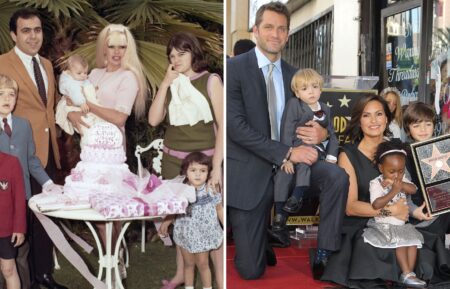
(344, 101)
(437, 161)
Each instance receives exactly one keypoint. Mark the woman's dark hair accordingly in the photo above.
(417, 112)
(353, 130)
(25, 13)
(195, 157)
(185, 41)
(389, 148)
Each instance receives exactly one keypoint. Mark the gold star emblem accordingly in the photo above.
(344, 101)
(437, 161)
(329, 104)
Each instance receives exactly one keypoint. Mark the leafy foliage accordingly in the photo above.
(72, 26)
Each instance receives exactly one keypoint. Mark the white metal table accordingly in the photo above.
(108, 260)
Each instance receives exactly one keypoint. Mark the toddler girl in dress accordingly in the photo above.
(198, 231)
(386, 231)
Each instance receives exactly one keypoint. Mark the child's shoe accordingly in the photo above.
(410, 280)
(293, 205)
(169, 284)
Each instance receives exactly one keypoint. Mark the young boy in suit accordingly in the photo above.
(16, 139)
(307, 85)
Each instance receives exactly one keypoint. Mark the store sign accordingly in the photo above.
(403, 53)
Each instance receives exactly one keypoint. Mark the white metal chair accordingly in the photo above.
(157, 145)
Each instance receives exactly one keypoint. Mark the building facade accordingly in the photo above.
(403, 42)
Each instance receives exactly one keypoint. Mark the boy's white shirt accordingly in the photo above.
(8, 120)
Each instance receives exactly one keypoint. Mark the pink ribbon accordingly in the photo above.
(64, 247)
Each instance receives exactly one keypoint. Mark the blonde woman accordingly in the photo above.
(392, 97)
(120, 85)
(118, 79)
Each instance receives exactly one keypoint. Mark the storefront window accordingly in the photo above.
(402, 50)
(438, 72)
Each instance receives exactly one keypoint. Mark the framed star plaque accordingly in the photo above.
(432, 160)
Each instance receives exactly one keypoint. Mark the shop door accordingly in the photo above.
(400, 48)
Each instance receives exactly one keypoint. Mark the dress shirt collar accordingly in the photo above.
(8, 119)
(26, 59)
(263, 61)
(319, 107)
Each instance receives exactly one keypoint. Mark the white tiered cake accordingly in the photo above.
(102, 181)
(102, 169)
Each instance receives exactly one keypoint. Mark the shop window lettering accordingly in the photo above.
(399, 74)
(413, 95)
(404, 53)
(398, 28)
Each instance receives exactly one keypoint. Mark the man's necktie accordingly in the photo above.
(6, 127)
(272, 101)
(39, 81)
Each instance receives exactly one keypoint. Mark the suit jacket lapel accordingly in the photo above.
(286, 82)
(258, 74)
(48, 69)
(14, 126)
(20, 69)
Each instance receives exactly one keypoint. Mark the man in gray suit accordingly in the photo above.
(252, 154)
(16, 139)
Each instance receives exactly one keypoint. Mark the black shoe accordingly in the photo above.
(318, 268)
(293, 205)
(279, 223)
(48, 282)
(279, 239)
(271, 258)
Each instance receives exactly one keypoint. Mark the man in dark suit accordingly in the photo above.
(35, 102)
(253, 153)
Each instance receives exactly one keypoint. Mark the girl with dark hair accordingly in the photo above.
(190, 99)
(198, 232)
(385, 231)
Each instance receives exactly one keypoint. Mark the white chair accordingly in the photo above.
(157, 145)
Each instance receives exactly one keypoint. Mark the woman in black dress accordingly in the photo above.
(358, 264)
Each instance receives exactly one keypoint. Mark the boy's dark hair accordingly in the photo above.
(277, 7)
(242, 46)
(417, 112)
(195, 157)
(388, 148)
(185, 41)
(353, 130)
(25, 13)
